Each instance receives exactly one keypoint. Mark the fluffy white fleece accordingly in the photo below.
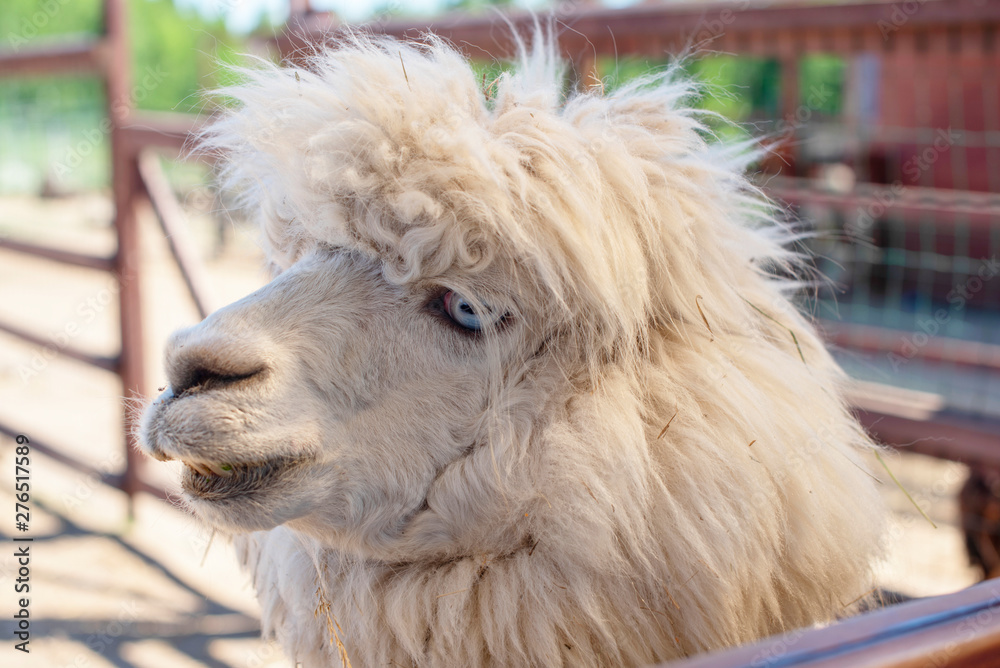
(649, 457)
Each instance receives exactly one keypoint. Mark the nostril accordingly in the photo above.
(202, 378)
(216, 354)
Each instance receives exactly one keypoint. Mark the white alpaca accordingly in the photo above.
(524, 392)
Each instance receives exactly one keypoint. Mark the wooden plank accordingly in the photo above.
(980, 210)
(920, 422)
(58, 255)
(128, 261)
(170, 131)
(173, 221)
(49, 58)
(960, 630)
(941, 349)
(107, 363)
(900, 343)
(945, 435)
(891, 400)
(142, 485)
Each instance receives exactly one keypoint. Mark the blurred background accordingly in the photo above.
(884, 119)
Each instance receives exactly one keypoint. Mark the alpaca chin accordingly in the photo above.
(257, 512)
(223, 481)
(261, 498)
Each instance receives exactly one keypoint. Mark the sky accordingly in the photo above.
(244, 15)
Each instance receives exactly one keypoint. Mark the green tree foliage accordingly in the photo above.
(24, 21)
(182, 49)
(821, 82)
(52, 128)
(476, 5)
(741, 88)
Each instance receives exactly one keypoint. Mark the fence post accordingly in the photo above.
(125, 184)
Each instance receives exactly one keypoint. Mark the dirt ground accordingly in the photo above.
(151, 592)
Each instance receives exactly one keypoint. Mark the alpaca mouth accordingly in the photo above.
(212, 481)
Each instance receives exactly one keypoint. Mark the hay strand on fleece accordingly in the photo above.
(920, 510)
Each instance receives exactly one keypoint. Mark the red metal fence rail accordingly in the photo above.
(960, 630)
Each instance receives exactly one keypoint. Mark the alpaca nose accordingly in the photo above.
(199, 360)
(198, 377)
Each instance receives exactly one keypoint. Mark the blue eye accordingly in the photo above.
(461, 311)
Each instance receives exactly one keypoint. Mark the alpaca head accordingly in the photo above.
(487, 302)
(344, 403)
